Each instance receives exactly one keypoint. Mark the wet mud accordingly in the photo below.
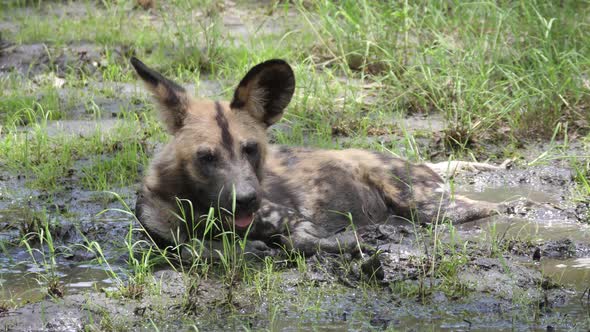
(535, 276)
(34, 59)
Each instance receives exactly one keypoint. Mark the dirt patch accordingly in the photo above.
(495, 292)
(34, 59)
(24, 59)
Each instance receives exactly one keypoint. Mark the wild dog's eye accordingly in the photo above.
(206, 156)
(250, 148)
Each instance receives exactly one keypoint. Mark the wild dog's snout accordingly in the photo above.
(247, 200)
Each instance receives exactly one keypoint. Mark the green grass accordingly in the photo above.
(110, 157)
(19, 109)
(492, 70)
(483, 65)
(39, 242)
(49, 161)
(581, 175)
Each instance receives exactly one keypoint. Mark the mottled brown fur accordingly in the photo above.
(300, 198)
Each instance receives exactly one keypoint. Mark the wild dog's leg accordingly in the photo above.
(448, 169)
(419, 194)
(214, 250)
(462, 209)
(285, 226)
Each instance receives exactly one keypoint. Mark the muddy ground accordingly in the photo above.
(492, 288)
(526, 270)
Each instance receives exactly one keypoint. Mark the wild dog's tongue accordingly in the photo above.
(244, 221)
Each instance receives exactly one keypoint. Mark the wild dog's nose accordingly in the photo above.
(246, 201)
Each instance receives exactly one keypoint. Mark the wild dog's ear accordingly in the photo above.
(265, 91)
(171, 96)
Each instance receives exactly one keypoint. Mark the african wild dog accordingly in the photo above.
(296, 197)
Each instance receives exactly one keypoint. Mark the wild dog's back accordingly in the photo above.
(325, 185)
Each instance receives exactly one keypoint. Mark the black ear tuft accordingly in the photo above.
(148, 75)
(152, 77)
(265, 91)
(171, 96)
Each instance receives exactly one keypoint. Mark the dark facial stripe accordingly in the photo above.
(227, 140)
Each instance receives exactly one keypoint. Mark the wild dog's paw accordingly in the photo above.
(462, 209)
(259, 249)
(308, 239)
(344, 242)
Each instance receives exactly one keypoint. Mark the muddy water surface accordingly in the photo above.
(554, 222)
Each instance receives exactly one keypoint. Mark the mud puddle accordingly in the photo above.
(70, 240)
(551, 235)
(486, 298)
(27, 283)
(483, 293)
(573, 272)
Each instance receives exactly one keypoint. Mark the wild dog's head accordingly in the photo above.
(219, 148)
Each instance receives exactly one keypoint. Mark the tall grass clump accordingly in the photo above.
(39, 243)
(495, 70)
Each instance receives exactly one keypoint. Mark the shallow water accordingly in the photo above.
(572, 272)
(529, 230)
(548, 222)
(502, 194)
(25, 272)
(22, 282)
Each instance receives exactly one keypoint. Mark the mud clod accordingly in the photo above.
(24, 59)
(372, 268)
(34, 59)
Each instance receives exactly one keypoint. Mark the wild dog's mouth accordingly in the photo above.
(244, 221)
